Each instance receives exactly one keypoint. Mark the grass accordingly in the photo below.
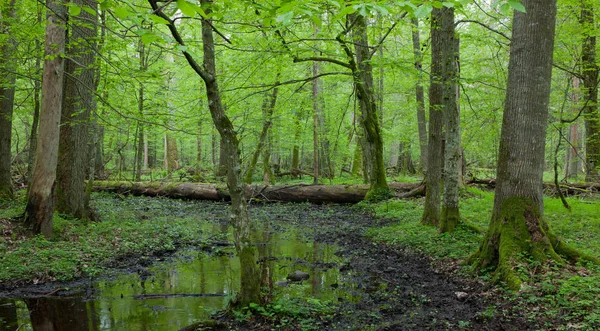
(558, 297)
(87, 249)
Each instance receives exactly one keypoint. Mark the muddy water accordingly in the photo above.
(172, 294)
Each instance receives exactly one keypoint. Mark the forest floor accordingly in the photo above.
(396, 274)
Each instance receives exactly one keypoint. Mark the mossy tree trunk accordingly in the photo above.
(362, 72)
(433, 176)
(250, 275)
(40, 198)
(7, 96)
(420, 95)
(450, 215)
(75, 142)
(517, 229)
(590, 87)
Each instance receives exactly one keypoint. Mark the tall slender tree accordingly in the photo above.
(7, 94)
(450, 213)
(590, 74)
(40, 198)
(433, 176)
(419, 94)
(250, 276)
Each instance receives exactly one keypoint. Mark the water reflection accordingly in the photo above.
(178, 293)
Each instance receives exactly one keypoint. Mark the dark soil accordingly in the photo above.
(393, 288)
(387, 288)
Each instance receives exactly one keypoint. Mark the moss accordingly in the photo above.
(378, 192)
(449, 220)
(520, 235)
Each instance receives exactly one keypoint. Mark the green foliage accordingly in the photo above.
(553, 294)
(284, 312)
(86, 249)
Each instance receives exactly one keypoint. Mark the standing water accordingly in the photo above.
(185, 289)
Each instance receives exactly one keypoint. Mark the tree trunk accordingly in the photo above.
(269, 193)
(268, 108)
(316, 110)
(249, 274)
(433, 176)
(7, 97)
(363, 79)
(518, 231)
(199, 146)
(73, 154)
(222, 166)
(420, 95)
(590, 88)
(450, 213)
(572, 146)
(139, 156)
(40, 198)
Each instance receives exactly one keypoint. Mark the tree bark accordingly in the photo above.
(420, 95)
(433, 176)
(450, 215)
(7, 97)
(269, 193)
(40, 198)
(362, 72)
(572, 146)
(316, 110)
(249, 273)
(590, 88)
(73, 154)
(517, 229)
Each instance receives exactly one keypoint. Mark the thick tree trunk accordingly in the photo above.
(433, 176)
(7, 97)
(518, 229)
(590, 84)
(420, 95)
(450, 213)
(363, 79)
(73, 154)
(40, 198)
(270, 193)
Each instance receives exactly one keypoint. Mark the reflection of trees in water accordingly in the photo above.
(59, 314)
(8, 315)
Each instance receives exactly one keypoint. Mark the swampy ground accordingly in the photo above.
(161, 264)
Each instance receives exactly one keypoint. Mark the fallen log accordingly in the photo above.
(549, 188)
(276, 193)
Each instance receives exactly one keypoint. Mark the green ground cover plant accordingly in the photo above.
(87, 249)
(556, 297)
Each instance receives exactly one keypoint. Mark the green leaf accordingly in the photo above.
(186, 8)
(285, 18)
(158, 20)
(121, 12)
(182, 48)
(90, 10)
(518, 6)
(448, 4)
(423, 11)
(505, 9)
(149, 38)
(74, 10)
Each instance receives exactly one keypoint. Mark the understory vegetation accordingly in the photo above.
(123, 237)
(555, 295)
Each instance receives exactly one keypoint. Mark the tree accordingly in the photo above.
(420, 95)
(433, 176)
(78, 101)
(250, 276)
(7, 96)
(590, 83)
(517, 228)
(40, 199)
(450, 213)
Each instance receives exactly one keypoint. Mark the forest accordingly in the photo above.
(299, 165)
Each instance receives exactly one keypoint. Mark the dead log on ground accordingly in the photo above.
(276, 193)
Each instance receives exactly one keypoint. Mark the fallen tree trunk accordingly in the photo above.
(284, 193)
(549, 188)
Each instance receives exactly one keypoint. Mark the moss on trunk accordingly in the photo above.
(520, 235)
(449, 220)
